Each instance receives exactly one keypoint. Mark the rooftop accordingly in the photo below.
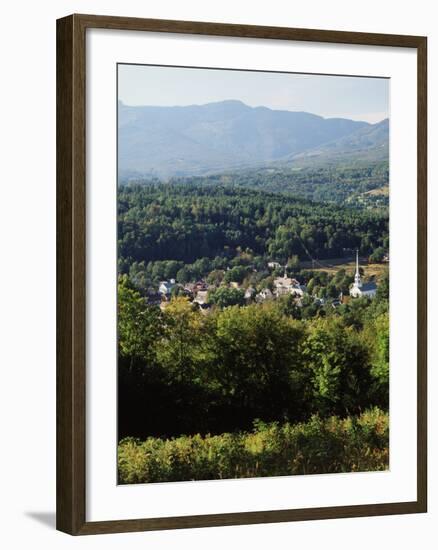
(368, 286)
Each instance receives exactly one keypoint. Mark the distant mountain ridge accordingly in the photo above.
(204, 139)
(369, 143)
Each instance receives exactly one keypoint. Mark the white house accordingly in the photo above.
(166, 287)
(359, 289)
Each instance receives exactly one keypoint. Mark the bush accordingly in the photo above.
(318, 446)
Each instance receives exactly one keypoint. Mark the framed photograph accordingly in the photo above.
(241, 274)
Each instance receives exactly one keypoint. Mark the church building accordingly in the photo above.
(286, 285)
(359, 289)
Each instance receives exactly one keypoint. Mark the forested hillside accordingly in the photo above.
(187, 222)
(349, 183)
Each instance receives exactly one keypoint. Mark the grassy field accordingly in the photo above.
(333, 265)
(370, 270)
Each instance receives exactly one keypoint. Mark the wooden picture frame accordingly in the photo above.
(71, 273)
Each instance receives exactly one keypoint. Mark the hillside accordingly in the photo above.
(371, 142)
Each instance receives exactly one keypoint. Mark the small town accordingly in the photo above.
(202, 293)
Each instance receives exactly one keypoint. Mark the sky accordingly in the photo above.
(357, 98)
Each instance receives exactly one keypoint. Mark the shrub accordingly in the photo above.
(318, 446)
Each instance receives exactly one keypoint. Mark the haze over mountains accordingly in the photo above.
(205, 139)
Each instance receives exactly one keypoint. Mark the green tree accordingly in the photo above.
(383, 288)
(287, 305)
(340, 364)
(139, 325)
(257, 361)
(293, 262)
(225, 297)
(215, 277)
(311, 286)
(236, 274)
(380, 368)
(183, 275)
(377, 255)
(179, 351)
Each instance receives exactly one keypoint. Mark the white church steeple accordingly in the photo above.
(357, 281)
(359, 289)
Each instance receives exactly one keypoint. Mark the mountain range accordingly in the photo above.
(193, 140)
